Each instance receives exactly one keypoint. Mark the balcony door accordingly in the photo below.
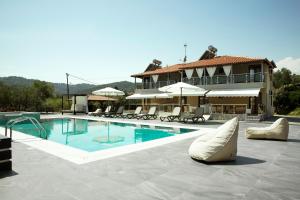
(254, 73)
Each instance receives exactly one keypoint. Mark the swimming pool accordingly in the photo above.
(90, 136)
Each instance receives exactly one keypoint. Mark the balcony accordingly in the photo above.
(206, 82)
(152, 85)
(222, 79)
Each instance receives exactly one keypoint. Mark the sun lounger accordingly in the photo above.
(217, 145)
(107, 110)
(196, 116)
(137, 111)
(96, 112)
(279, 130)
(175, 114)
(150, 115)
(118, 113)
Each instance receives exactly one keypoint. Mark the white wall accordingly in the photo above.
(81, 101)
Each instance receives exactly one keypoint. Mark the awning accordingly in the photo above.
(100, 98)
(251, 92)
(189, 93)
(149, 96)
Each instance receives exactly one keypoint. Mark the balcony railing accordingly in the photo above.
(158, 84)
(222, 79)
(218, 79)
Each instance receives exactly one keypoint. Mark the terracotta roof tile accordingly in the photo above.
(219, 60)
(168, 69)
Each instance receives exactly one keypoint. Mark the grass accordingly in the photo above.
(295, 112)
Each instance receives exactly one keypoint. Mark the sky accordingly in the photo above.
(107, 41)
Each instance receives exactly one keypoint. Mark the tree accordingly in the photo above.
(287, 99)
(41, 90)
(287, 93)
(4, 96)
(283, 77)
(27, 98)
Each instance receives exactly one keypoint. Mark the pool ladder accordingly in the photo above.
(33, 120)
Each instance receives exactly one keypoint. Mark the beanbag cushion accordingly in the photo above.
(279, 130)
(219, 145)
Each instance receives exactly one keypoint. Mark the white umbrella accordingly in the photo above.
(183, 89)
(149, 96)
(177, 87)
(108, 91)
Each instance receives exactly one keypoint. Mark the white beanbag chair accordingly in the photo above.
(220, 145)
(279, 130)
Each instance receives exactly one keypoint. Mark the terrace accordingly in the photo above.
(213, 72)
(206, 80)
(263, 170)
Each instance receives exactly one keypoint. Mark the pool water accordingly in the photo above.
(92, 136)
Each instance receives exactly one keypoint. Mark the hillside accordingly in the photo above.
(60, 88)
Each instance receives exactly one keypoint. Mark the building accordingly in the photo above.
(236, 85)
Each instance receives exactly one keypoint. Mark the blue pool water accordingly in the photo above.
(97, 135)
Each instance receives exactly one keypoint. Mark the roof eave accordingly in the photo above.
(237, 63)
(154, 73)
(137, 75)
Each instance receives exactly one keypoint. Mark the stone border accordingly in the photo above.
(78, 156)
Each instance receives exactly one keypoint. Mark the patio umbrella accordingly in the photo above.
(149, 96)
(183, 89)
(108, 91)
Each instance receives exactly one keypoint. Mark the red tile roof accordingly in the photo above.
(168, 69)
(219, 60)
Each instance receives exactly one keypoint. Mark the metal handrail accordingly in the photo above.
(207, 80)
(33, 120)
(223, 79)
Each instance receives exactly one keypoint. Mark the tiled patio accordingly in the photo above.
(263, 170)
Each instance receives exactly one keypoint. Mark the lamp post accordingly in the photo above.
(185, 58)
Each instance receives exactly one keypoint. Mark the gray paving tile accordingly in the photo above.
(263, 170)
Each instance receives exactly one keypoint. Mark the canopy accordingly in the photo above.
(149, 96)
(108, 91)
(189, 93)
(251, 92)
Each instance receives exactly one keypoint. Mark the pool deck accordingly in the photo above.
(263, 170)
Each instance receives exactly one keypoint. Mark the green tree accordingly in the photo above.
(287, 99)
(284, 77)
(26, 98)
(287, 93)
(4, 97)
(41, 91)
